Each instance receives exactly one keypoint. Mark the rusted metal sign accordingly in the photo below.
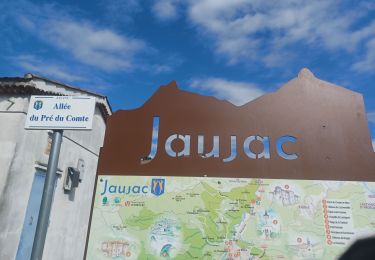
(308, 129)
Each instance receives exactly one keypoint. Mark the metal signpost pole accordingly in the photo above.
(45, 207)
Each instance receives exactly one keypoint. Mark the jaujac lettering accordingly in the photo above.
(215, 151)
(122, 189)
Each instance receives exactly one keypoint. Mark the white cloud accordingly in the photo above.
(85, 41)
(373, 144)
(371, 117)
(259, 29)
(165, 9)
(236, 92)
(368, 62)
(36, 66)
(98, 47)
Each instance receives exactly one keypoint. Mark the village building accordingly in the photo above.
(23, 164)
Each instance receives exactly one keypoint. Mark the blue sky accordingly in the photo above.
(234, 50)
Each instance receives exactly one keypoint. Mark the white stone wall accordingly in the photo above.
(70, 212)
(20, 152)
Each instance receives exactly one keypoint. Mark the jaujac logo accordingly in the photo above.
(157, 186)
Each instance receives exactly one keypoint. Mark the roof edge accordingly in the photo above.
(31, 88)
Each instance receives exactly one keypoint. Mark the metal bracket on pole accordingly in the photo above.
(45, 207)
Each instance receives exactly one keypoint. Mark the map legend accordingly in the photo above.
(338, 221)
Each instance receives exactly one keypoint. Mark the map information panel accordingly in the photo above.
(138, 217)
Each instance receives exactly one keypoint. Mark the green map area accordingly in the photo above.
(138, 217)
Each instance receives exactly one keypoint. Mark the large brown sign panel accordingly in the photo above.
(308, 129)
(290, 175)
